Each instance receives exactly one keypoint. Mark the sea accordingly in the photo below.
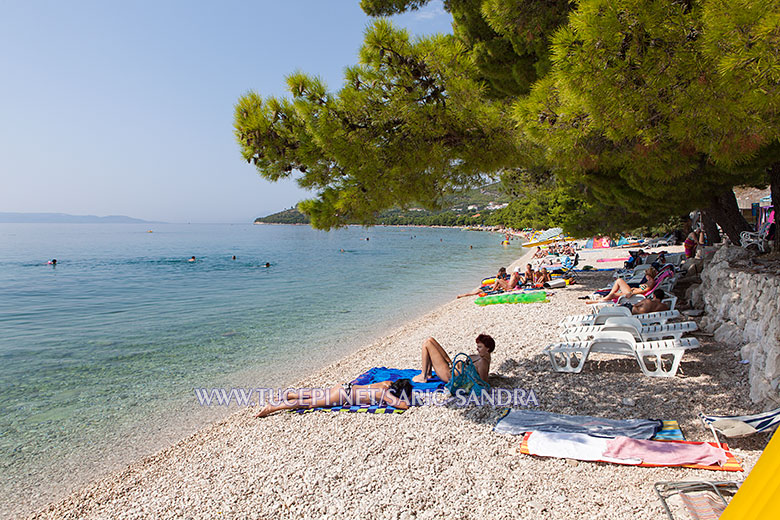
(100, 354)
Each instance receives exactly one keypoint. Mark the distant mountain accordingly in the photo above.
(456, 207)
(63, 218)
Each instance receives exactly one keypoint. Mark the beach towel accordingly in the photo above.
(572, 446)
(374, 409)
(546, 444)
(670, 431)
(377, 374)
(665, 453)
(622, 258)
(518, 421)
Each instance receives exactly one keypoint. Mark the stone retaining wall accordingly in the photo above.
(741, 299)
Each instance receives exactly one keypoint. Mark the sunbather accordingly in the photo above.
(517, 280)
(499, 285)
(542, 277)
(652, 303)
(528, 276)
(394, 393)
(434, 357)
(621, 287)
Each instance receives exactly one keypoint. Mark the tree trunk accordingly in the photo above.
(725, 211)
(710, 228)
(774, 188)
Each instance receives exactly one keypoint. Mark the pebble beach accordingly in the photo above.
(436, 461)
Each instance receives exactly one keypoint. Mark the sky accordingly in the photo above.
(126, 108)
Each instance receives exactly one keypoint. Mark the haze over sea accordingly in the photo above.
(99, 355)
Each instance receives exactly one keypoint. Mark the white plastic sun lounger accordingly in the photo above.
(652, 356)
(632, 325)
(670, 300)
(600, 318)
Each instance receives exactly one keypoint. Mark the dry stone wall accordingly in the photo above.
(741, 299)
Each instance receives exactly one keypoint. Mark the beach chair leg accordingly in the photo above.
(568, 358)
(660, 359)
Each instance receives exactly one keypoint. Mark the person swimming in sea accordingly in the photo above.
(234, 257)
(192, 259)
(267, 264)
(53, 262)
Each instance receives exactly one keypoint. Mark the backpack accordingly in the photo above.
(465, 377)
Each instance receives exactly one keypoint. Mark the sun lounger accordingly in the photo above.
(628, 274)
(600, 317)
(652, 356)
(702, 499)
(741, 425)
(667, 240)
(634, 326)
(756, 238)
(670, 300)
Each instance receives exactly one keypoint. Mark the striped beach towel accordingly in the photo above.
(374, 409)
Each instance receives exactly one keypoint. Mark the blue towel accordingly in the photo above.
(373, 409)
(377, 374)
(519, 421)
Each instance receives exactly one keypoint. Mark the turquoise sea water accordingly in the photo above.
(100, 354)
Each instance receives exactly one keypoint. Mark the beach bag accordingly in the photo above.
(465, 377)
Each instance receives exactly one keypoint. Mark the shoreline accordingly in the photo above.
(44, 468)
(127, 442)
(180, 480)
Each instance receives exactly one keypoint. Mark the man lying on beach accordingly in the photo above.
(434, 357)
(394, 393)
(652, 303)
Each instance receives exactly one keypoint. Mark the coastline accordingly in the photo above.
(322, 463)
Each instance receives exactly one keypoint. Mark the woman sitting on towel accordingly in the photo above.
(434, 357)
(397, 394)
(621, 288)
